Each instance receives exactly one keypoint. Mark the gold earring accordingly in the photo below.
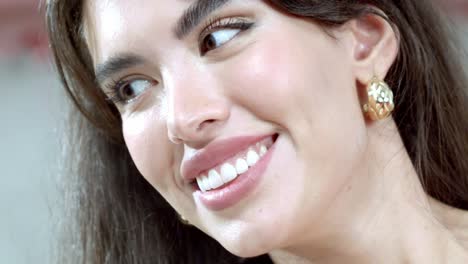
(183, 220)
(380, 100)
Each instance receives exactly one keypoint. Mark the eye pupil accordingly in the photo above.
(128, 92)
(210, 42)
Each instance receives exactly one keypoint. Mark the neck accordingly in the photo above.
(390, 221)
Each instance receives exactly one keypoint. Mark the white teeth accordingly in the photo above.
(228, 172)
(241, 166)
(201, 184)
(263, 150)
(252, 157)
(206, 182)
(214, 179)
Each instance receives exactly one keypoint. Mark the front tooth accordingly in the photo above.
(263, 150)
(241, 166)
(205, 182)
(214, 179)
(252, 157)
(228, 173)
(201, 184)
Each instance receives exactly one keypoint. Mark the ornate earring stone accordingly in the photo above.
(380, 100)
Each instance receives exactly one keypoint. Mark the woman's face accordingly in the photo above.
(196, 100)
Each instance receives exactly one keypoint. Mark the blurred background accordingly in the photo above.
(33, 109)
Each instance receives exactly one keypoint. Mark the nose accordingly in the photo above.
(197, 110)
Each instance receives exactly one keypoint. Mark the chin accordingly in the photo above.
(248, 241)
(247, 249)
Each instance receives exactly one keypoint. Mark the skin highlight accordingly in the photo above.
(356, 196)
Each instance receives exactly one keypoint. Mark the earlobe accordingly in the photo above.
(375, 46)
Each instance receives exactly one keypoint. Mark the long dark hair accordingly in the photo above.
(115, 216)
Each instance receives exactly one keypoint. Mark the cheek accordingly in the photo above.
(151, 151)
(259, 80)
(303, 82)
(305, 87)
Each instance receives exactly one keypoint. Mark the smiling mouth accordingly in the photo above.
(226, 172)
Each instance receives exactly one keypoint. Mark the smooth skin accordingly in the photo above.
(339, 188)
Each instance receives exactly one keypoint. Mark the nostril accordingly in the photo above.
(204, 123)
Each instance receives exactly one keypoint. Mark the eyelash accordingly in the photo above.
(216, 23)
(113, 87)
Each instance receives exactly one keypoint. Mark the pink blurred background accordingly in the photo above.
(22, 27)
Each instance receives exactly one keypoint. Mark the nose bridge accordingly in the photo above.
(197, 106)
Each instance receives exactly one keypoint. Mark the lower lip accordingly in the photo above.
(239, 188)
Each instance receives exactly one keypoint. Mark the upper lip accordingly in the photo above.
(215, 153)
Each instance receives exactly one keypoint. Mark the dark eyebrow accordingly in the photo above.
(195, 14)
(117, 64)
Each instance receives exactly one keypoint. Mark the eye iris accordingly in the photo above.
(127, 92)
(210, 42)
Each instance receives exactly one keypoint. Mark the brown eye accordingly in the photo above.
(132, 89)
(217, 38)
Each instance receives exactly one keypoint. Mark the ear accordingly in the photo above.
(374, 47)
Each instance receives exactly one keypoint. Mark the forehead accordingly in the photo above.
(112, 26)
